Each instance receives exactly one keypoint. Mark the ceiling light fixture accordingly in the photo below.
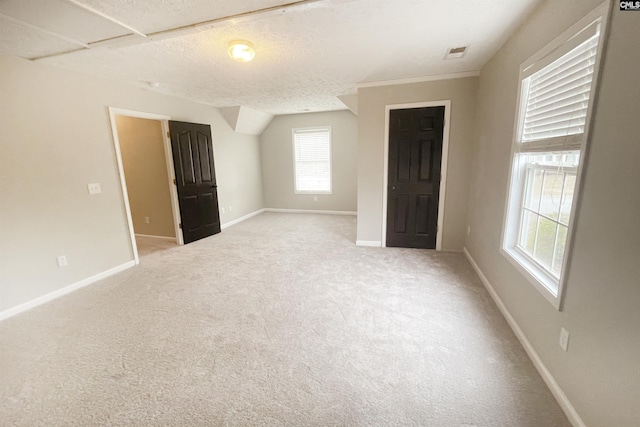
(241, 50)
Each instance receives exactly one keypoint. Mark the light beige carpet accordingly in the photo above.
(148, 245)
(279, 320)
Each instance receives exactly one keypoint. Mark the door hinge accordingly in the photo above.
(180, 226)
(175, 182)
(168, 134)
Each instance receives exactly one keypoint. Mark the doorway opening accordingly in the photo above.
(425, 158)
(145, 165)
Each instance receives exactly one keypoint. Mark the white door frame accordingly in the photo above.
(443, 168)
(173, 192)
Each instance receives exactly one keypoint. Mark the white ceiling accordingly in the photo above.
(308, 52)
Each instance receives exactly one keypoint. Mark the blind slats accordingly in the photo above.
(558, 95)
(577, 69)
(569, 88)
(576, 117)
(312, 160)
(587, 49)
(567, 127)
(557, 108)
(570, 85)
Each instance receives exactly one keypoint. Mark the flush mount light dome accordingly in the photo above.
(241, 50)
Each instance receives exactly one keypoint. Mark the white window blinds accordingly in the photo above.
(558, 95)
(312, 154)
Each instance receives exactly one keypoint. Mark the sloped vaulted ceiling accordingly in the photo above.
(308, 52)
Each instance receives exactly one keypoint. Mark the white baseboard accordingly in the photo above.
(259, 211)
(173, 239)
(371, 243)
(242, 218)
(63, 291)
(557, 392)
(305, 211)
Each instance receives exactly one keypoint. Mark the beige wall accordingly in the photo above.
(56, 138)
(600, 374)
(371, 122)
(145, 170)
(277, 162)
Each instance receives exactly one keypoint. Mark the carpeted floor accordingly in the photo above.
(279, 320)
(148, 245)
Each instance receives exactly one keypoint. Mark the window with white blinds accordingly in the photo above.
(556, 95)
(312, 160)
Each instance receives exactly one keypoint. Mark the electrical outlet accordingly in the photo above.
(315, 198)
(62, 261)
(146, 220)
(468, 230)
(222, 210)
(94, 188)
(230, 209)
(564, 339)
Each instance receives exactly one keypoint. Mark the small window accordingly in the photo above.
(312, 160)
(556, 95)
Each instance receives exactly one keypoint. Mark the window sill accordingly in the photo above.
(546, 284)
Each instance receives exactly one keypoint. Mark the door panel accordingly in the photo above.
(401, 212)
(423, 206)
(404, 160)
(195, 179)
(415, 155)
(187, 175)
(204, 156)
(208, 201)
(189, 213)
(427, 123)
(426, 160)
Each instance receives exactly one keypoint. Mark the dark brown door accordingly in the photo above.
(195, 179)
(415, 154)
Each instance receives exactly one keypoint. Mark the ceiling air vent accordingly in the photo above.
(456, 52)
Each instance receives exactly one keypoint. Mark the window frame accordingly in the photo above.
(330, 161)
(542, 279)
(528, 167)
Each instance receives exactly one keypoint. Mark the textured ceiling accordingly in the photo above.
(153, 16)
(307, 53)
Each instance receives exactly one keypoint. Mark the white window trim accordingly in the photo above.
(293, 148)
(550, 287)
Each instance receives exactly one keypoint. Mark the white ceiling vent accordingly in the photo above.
(456, 52)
